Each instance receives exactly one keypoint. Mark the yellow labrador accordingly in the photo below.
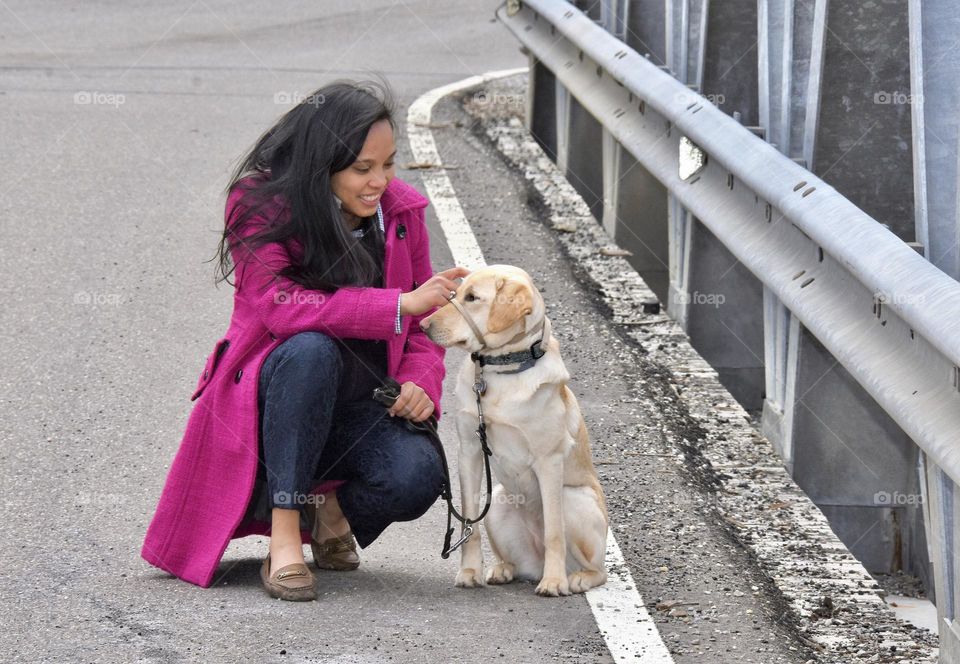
(548, 517)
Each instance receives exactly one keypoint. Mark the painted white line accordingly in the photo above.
(618, 609)
(463, 244)
(627, 627)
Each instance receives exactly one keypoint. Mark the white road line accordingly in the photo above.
(463, 244)
(630, 633)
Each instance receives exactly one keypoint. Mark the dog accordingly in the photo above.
(547, 520)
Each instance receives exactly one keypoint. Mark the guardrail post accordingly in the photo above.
(781, 340)
(542, 107)
(943, 509)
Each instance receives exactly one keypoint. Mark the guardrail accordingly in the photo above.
(886, 314)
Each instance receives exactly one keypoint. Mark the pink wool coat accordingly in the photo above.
(211, 479)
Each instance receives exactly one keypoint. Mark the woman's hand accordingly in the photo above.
(434, 293)
(412, 404)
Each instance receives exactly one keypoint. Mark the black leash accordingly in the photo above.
(387, 394)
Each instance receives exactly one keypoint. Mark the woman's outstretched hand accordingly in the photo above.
(434, 293)
(412, 404)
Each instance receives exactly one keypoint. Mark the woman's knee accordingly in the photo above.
(414, 485)
(311, 352)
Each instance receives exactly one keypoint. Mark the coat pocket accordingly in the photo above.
(210, 367)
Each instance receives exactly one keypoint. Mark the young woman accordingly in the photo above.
(331, 260)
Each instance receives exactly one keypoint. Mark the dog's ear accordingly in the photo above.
(512, 302)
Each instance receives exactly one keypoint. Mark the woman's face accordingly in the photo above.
(360, 185)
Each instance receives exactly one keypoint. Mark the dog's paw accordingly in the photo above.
(469, 578)
(501, 573)
(585, 579)
(553, 587)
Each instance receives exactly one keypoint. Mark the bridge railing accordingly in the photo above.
(820, 281)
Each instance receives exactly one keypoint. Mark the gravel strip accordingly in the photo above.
(834, 605)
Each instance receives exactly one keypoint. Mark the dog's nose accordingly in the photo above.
(425, 324)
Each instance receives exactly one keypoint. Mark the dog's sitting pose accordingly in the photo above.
(548, 517)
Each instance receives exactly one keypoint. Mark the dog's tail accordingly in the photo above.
(575, 553)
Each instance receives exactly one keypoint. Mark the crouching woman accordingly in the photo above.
(332, 273)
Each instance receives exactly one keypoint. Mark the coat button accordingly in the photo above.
(237, 377)
(273, 337)
(205, 372)
(401, 231)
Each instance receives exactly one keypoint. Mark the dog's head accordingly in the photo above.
(500, 299)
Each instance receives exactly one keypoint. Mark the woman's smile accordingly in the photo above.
(374, 167)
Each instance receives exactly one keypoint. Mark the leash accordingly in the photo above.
(387, 395)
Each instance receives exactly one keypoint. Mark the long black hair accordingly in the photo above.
(294, 160)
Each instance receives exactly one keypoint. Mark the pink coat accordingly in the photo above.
(212, 476)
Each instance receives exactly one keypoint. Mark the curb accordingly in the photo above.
(836, 605)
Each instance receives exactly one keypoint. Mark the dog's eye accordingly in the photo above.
(469, 297)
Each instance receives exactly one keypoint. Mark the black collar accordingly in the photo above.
(526, 358)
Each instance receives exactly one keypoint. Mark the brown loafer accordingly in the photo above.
(293, 583)
(336, 553)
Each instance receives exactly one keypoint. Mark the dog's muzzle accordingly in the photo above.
(470, 322)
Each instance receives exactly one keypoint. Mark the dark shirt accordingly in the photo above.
(365, 360)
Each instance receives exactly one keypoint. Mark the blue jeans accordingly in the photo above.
(319, 422)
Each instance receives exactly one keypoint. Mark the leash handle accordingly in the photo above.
(386, 395)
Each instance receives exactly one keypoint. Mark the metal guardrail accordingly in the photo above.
(886, 314)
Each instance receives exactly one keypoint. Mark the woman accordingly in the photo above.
(332, 275)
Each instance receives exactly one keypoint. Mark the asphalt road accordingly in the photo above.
(121, 123)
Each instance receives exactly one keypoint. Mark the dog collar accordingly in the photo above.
(527, 359)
